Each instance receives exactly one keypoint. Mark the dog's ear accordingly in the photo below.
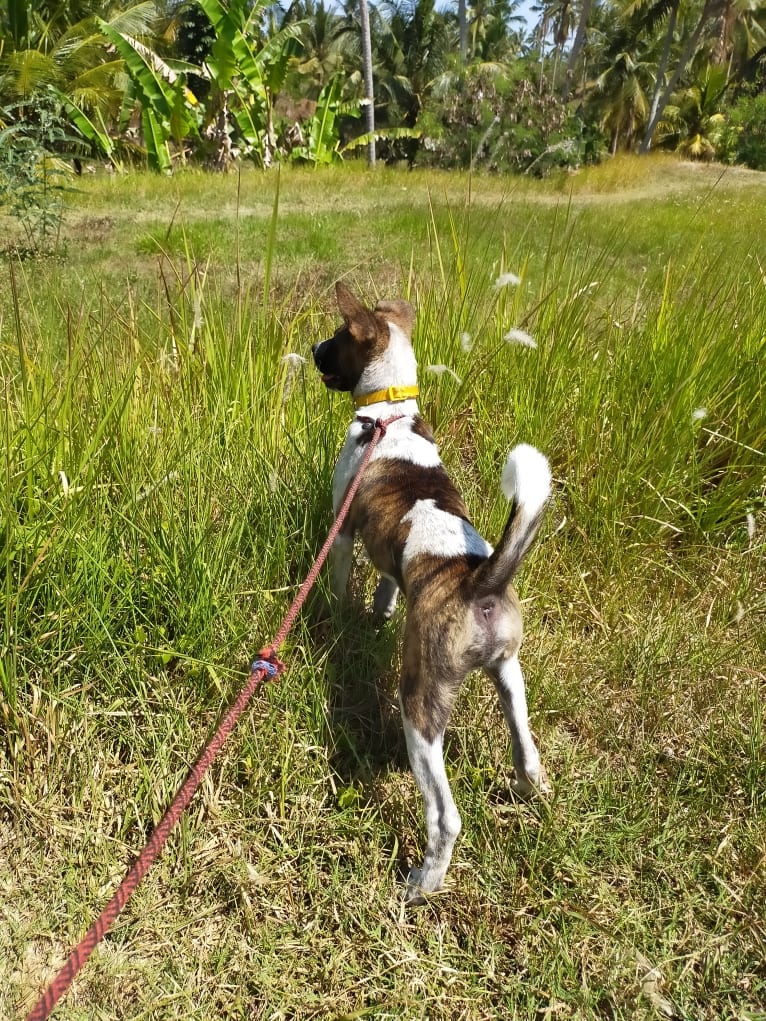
(359, 320)
(400, 313)
(348, 306)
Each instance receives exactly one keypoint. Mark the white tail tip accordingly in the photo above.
(527, 477)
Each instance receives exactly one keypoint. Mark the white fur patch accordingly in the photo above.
(441, 534)
(442, 817)
(396, 366)
(527, 478)
(400, 442)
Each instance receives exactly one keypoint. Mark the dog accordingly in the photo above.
(462, 612)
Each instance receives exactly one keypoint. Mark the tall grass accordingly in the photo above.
(166, 479)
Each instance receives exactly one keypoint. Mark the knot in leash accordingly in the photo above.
(380, 424)
(268, 664)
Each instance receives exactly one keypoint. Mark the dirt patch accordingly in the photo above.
(92, 228)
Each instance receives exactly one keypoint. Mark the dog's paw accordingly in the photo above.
(413, 893)
(422, 885)
(531, 784)
(384, 599)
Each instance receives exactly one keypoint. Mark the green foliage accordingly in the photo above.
(322, 146)
(245, 72)
(499, 119)
(744, 140)
(693, 120)
(167, 105)
(34, 172)
(599, 76)
(92, 128)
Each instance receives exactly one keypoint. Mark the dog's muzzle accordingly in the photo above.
(318, 350)
(320, 353)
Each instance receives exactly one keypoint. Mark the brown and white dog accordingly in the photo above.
(462, 611)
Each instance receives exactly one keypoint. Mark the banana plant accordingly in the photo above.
(167, 104)
(91, 127)
(323, 143)
(245, 72)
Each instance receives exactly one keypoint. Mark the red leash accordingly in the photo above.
(267, 665)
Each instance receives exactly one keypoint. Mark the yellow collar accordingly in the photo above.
(392, 393)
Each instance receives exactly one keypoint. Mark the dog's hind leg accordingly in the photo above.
(427, 697)
(442, 817)
(509, 682)
(384, 599)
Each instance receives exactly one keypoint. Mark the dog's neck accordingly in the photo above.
(390, 396)
(389, 384)
(388, 409)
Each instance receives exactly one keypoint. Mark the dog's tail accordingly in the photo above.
(526, 482)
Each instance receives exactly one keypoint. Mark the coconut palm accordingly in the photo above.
(329, 45)
(494, 30)
(621, 100)
(60, 46)
(59, 53)
(578, 46)
(739, 40)
(693, 118)
(413, 52)
(664, 89)
(369, 88)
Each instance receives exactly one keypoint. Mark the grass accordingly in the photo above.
(165, 486)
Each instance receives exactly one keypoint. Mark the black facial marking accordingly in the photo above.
(338, 359)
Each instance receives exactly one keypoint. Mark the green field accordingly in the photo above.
(164, 487)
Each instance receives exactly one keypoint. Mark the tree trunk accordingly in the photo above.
(463, 27)
(577, 44)
(723, 47)
(543, 30)
(364, 16)
(646, 142)
(683, 61)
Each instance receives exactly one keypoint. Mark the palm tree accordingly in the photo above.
(369, 90)
(655, 13)
(578, 45)
(57, 54)
(620, 98)
(44, 45)
(327, 42)
(414, 52)
(493, 29)
(740, 42)
(662, 95)
(694, 114)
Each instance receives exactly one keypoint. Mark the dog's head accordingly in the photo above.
(371, 349)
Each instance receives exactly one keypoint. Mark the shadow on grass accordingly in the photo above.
(362, 671)
(365, 740)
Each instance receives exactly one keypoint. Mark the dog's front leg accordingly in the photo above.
(341, 557)
(442, 817)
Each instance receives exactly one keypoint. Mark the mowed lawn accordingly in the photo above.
(167, 453)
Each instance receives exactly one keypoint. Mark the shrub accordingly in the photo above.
(34, 144)
(744, 140)
(509, 120)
